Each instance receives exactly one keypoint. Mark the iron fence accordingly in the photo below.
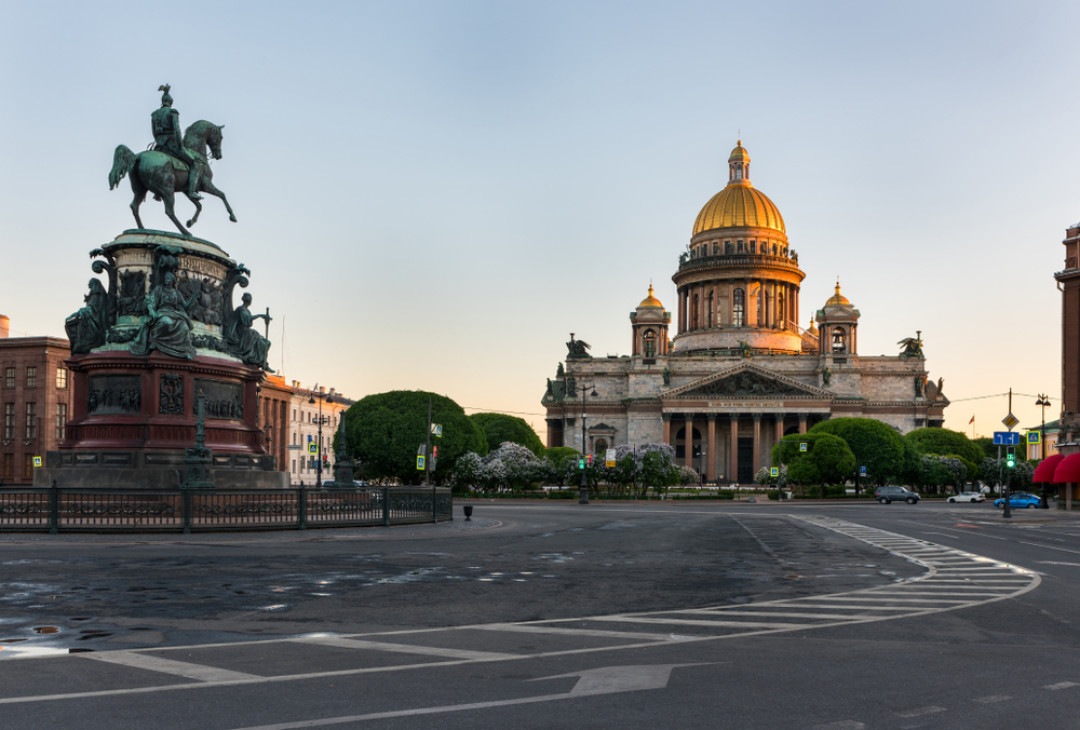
(69, 509)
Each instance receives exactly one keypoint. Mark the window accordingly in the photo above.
(61, 421)
(9, 420)
(31, 377)
(9, 377)
(28, 466)
(31, 420)
(650, 343)
(738, 308)
(61, 378)
(9, 467)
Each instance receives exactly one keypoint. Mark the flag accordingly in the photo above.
(971, 421)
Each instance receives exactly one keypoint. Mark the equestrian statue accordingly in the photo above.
(172, 164)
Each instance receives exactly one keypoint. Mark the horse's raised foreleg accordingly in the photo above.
(198, 209)
(208, 186)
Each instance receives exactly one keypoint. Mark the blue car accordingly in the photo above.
(1018, 499)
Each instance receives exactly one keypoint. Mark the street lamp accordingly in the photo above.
(583, 497)
(321, 420)
(1043, 401)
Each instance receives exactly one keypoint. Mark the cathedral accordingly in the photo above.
(739, 372)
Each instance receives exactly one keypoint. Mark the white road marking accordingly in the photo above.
(990, 699)
(200, 672)
(922, 711)
(600, 681)
(386, 646)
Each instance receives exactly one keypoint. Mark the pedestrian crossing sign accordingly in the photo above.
(1033, 437)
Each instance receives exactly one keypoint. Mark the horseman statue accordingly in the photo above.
(174, 164)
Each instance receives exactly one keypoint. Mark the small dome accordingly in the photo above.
(838, 299)
(739, 154)
(650, 301)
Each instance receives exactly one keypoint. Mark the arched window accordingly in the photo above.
(694, 307)
(738, 308)
(709, 312)
(601, 448)
(650, 343)
(839, 340)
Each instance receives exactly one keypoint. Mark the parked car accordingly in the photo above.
(885, 495)
(1018, 499)
(968, 497)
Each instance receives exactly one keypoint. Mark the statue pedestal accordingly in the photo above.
(133, 417)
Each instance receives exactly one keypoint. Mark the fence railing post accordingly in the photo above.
(434, 505)
(186, 502)
(54, 509)
(386, 506)
(301, 508)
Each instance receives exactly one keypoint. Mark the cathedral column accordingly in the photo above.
(802, 423)
(688, 440)
(710, 464)
(757, 443)
(733, 449)
(667, 428)
(778, 429)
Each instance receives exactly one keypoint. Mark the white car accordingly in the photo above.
(968, 497)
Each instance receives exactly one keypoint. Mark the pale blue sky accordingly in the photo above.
(433, 195)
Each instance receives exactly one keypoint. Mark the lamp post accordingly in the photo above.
(583, 497)
(1043, 401)
(320, 420)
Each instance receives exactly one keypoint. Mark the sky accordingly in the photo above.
(433, 195)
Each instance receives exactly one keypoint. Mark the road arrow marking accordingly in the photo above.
(608, 680)
(599, 681)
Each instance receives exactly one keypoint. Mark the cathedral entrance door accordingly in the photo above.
(746, 460)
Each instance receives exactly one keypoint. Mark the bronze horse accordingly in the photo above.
(164, 175)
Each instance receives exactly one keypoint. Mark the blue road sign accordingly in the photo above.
(1006, 438)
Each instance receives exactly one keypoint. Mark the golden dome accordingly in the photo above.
(740, 204)
(838, 299)
(651, 301)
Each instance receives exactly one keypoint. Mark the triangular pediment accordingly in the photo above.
(747, 381)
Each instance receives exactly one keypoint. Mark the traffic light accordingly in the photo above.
(580, 463)
(590, 459)
(1010, 458)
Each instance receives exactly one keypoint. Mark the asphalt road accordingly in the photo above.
(537, 615)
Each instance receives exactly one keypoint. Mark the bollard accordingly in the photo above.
(54, 509)
(467, 509)
(301, 508)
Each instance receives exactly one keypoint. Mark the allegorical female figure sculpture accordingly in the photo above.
(168, 326)
(86, 329)
(242, 340)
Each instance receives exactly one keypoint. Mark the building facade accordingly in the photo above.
(739, 372)
(36, 397)
(307, 408)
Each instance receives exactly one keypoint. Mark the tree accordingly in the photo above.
(942, 441)
(562, 464)
(827, 459)
(875, 445)
(499, 428)
(385, 431)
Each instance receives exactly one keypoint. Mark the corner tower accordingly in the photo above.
(738, 282)
(650, 326)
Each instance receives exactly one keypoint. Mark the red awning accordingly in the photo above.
(1068, 470)
(1044, 472)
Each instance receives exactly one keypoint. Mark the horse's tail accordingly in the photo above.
(123, 161)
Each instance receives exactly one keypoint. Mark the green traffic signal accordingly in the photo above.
(1010, 460)
(581, 464)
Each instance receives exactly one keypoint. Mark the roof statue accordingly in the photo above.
(912, 346)
(174, 163)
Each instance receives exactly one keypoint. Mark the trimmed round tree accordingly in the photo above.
(500, 428)
(876, 445)
(827, 459)
(385, 431)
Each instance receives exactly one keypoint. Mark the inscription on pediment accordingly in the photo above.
(746, 384)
